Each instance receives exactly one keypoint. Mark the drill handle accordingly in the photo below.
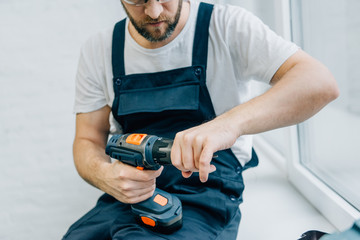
(127, 156)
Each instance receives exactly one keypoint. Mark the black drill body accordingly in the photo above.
(163, 211)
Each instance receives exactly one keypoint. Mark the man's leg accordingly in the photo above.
(110, 219)
(198, 224)
(96, 224)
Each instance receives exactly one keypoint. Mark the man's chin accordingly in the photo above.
(156, 35)
(156, 39)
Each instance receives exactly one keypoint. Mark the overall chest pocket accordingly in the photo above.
(183, 96)
(177, 89)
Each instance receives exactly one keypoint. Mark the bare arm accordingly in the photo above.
(301, 87)
(125, 183)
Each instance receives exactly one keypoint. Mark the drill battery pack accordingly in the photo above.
(161, 213)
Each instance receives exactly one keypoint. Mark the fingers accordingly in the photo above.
(192, 153)
(197, 150)
(131, 185)
(176, 154)
(131, 196)
(204, 164)
(132, 173)
(186, 174)
(132, 192)
(181, 153)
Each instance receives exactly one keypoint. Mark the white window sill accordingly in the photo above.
(273, 208)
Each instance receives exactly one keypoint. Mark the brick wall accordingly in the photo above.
(41, 192)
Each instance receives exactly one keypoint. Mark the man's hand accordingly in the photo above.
(301, 87)
(128, 184)
(193, 149)
(124, 182)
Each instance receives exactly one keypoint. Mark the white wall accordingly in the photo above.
(41, 193)
(275, 14)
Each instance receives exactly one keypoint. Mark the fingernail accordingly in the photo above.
(203, 180)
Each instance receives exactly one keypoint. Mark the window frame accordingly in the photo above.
(334, 207)
(287, 23)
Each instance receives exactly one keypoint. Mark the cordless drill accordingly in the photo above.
(163, 211)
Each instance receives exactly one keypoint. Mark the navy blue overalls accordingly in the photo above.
(163, 104)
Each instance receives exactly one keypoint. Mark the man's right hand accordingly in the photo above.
(127, 183)
(124, 182)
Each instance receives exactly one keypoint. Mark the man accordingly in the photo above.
(181, 69)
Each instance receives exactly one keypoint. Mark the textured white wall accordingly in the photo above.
(41, 193)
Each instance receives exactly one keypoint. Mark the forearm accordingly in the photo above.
(90, 161)
(303, 91)
(91, 135)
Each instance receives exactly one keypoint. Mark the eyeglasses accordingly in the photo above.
(142, 2)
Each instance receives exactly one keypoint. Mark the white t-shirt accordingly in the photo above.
(241, 48)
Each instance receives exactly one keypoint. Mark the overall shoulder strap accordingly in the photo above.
(200, 46)
(117, 55)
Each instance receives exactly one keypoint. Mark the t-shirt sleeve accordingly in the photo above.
(89, 91)
(257, 51)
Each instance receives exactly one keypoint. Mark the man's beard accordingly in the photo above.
(156, 35)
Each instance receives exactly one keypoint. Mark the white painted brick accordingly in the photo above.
(41, 192)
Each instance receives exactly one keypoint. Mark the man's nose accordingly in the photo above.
(153, 9)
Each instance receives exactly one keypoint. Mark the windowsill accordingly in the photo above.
(273, 208)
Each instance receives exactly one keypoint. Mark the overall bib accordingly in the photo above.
(163, 104)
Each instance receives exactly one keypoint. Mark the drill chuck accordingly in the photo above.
(161, 151)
